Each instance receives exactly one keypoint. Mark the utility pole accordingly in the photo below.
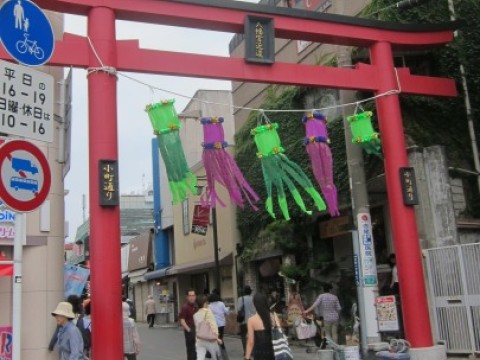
(366, 292)
(468, 105)
(215, 250)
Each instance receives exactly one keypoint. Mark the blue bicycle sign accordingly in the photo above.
(26, 32)
(31, 46)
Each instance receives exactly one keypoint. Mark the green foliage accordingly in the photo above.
(432, 121)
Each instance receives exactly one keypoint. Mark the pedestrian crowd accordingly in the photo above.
(203, 320)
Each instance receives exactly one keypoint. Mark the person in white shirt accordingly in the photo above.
(219, 311)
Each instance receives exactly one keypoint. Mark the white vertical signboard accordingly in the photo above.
(367, 250)
(26, 102)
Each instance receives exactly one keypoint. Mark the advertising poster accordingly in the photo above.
(387, 314)
(75, 279)
(6, 342)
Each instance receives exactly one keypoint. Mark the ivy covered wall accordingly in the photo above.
(427, 121)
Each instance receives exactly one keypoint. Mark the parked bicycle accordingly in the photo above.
(31, 46)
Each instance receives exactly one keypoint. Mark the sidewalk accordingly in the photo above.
(167, 343)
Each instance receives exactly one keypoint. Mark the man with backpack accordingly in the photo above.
(84, 324)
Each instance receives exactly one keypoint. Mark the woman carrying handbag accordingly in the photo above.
(206, 330)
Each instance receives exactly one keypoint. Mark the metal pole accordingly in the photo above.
(17, 286)
(106, 279)
(468, 105)
(358, 190)
(215, 249)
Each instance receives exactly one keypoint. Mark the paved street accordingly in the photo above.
(168, 344)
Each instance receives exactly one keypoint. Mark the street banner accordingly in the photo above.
(387, 315)
(201, 219)
(75, 279)
(5, 269)
(5, 342)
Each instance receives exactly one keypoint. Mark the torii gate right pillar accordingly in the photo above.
(404, 227)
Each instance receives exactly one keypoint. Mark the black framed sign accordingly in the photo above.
(259, 40)
(409, 186)
(108, 178)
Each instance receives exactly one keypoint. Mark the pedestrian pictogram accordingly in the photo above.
(26, 32)
(24, 175)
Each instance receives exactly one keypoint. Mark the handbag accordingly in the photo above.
(204, 330)
(241, 312)
(281, 350)
(305, 330)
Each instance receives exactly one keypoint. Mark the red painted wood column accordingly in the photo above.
(404, 227)
(104, 221)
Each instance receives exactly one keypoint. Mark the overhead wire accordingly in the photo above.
(112, 71)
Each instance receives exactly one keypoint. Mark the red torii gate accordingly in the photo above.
(228, 16)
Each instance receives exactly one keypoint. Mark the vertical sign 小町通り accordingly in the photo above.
(108, 173)
(367, 250)
(259, 40)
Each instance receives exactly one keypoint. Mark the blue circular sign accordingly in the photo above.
(26, 33)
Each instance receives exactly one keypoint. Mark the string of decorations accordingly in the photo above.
(112, 71)
(277, 169)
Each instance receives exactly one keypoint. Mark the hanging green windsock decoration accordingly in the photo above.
(363, 133)
(279, 170)
(166, 125)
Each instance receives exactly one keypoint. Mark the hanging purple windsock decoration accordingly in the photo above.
(316, 142)
(221, 168)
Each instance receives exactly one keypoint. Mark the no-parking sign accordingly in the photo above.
(24, 175)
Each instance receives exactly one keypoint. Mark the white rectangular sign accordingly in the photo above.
(26, 102)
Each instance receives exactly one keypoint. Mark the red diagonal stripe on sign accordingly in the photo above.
(22, 174)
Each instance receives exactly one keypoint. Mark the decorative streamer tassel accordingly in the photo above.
(278, 169)
(165, 123)
(316, 142)
(221, 168)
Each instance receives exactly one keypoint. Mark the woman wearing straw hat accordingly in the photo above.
(69, 339)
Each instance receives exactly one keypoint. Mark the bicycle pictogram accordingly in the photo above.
(31, 46)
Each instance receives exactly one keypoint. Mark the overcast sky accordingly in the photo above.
(134, 129)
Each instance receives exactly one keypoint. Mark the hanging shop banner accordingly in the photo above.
(259, 40)
(201, 219)
(367, 250)
(387, 315)
(74, 280)
(6, 339)
(108, 177)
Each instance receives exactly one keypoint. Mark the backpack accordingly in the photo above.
(86, 333)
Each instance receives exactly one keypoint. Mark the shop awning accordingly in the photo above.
(137, 275)
(157, 274)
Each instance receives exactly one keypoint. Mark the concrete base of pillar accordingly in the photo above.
(437, 352)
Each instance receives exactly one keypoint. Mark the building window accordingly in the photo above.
(186, 220)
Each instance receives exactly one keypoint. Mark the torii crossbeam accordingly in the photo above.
(228, 16)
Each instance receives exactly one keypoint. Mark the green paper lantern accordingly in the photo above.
(163, 116)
